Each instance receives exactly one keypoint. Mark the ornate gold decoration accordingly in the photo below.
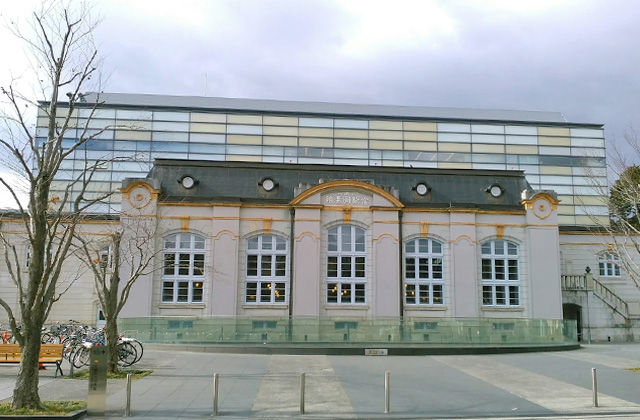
(184, 223)
(139, 194)
(346, 214)
(424, 229)
(499, 231)
(266, 225)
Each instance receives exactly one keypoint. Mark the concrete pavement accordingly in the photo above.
(527, 385)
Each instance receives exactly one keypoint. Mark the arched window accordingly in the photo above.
(183, 269)
(500, 274)
(609, 265)
(346, 265)
(423, 272)
(266, 275)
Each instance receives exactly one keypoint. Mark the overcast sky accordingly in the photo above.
(580, 58)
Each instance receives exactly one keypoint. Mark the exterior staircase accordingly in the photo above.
(603, 314)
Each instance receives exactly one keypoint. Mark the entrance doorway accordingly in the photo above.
(571, 311)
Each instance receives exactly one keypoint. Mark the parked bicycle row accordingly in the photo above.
(78, 339)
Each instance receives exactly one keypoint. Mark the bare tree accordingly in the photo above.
(63, 58)
(623, 201)
(116, 264)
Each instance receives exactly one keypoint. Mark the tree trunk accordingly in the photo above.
(25, 393)
(111, 336)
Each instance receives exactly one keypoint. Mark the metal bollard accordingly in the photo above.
(387, 392)
(127, 407)
(215, 394)
(302, 382)
(594, 385)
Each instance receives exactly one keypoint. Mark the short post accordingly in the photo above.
(594, 384)
(387, 392)
(127, 407)
(215, 394)
(302, 385)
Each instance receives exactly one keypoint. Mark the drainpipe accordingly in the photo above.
(292, 217)
(400, 271)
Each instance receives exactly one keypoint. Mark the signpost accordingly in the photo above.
(97, 400)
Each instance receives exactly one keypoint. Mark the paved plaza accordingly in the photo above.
(522, 385)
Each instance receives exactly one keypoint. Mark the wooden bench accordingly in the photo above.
(49, 353)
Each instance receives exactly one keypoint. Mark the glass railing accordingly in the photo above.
(333, 331)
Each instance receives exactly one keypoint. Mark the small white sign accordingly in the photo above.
(376, 352)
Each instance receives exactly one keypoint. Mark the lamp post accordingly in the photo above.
(587, 282)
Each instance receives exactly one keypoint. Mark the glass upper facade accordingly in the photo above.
(566, 158)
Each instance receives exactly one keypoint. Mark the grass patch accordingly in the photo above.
(137, 374)
(636, 370)
(50, 408)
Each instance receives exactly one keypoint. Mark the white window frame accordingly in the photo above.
(500, 285)
(194, 267)
(348, 260)
(609, 265)
(426, 286)
(267, 249)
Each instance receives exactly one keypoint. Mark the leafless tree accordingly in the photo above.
(64, 59)
(116, 264)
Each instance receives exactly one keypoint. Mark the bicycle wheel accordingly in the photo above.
(81, 357)
(127, 354)
(137, 344)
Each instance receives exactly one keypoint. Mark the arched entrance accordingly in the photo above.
(571, 311)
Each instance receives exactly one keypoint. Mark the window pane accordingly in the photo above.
(333, 239)
(486, 248)
(346, 238)
(345, 293)
(170, 241)
(424, 294)
(185, 241)
(499, 247)
(437, 294)
(253, 243)
(281, 244)
(499, 266)
(266, 265)
(332, 267)
(252, 265)
(513, 248)
(423, 268)
(410, 293)
(487, 295)
(410, 268)
(198, 264)
(345, 266)
(514, 295)
(281, 265)
(265, 292)
(513, 269)
(169, 264)
(359, 266)
(197, 292)
(252, 289)
(436, 247)
(360, 293)
(332, 292)
(501, 297)
(198, 242)
(167, 291)
(436, 265)
(410, 247)
(423, 246)
(267, 242)
(183, 291)
(183, 268)
(280, 292)
(359, 240)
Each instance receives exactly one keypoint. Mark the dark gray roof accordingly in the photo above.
(325, 108)
(239, 182)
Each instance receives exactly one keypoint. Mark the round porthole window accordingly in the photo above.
(187, 182)
(495, 190)
(268, 184)
(422, 189)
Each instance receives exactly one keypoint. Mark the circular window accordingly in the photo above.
(187, 182)
(422, 188)
(495, 190)
(268, 184)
